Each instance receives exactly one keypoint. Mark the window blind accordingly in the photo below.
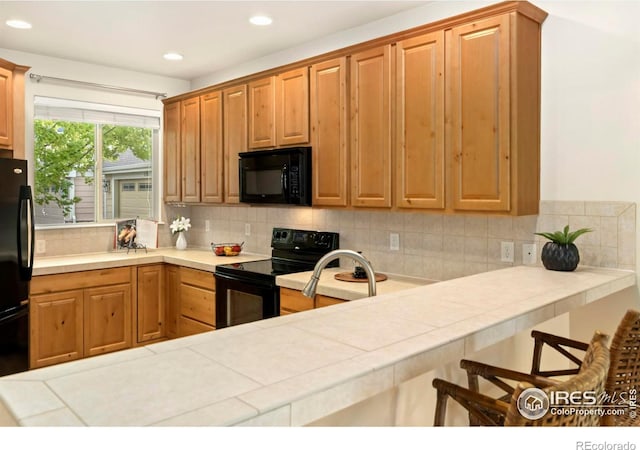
(47, 108)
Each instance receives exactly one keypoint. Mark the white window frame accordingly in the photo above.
(99, 114)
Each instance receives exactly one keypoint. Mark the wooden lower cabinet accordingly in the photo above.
(292, 301)
(172, 300)
(150, 303)
(80, 314)
(189, 326)
(56, 328)
(191, 301)
(107, 319)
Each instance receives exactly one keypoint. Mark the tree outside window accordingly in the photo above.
(71, 156)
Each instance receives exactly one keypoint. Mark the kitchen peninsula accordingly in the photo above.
(295, 369)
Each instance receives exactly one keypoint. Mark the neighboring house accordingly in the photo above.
(127, 187)
(126, 191)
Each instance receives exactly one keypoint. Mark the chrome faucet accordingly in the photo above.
(310, 289)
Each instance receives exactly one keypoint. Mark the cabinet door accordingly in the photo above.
(6, 107)
(478, 107)
(107, 319)
(420, 122)
(55, 328)
(262, 113)
(190, 143)
(211, 150)
(329, 132)
(292, 107)
(172, 298)
(235, 139)
(151, 303)
(172, 165)
(371, 128)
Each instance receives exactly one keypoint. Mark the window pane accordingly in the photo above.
(126, 164)
(64, 167)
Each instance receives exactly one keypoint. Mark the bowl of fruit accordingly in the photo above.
(226, 249)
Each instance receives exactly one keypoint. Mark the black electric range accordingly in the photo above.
(246, 292)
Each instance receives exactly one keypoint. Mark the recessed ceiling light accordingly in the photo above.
(172, 56)
(260, 20)
(20, 24)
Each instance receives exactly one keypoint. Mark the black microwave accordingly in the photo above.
(280, 176)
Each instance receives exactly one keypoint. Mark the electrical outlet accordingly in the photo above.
(506, 251)
(529, 253)
(247, 229)
(207, 225)
(41, 246)
(394, 241)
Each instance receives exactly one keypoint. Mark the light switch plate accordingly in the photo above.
(207, 225)
(247, 229)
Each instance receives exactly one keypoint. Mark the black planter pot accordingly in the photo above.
(563, 257)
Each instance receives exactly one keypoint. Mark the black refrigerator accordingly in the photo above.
(17, 238)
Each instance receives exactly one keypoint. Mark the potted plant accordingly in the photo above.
(561, 253)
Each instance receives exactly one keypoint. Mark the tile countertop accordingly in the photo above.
(294, 369)
(202, 259)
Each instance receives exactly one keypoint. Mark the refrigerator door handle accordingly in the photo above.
(13, 314)
(26, 244)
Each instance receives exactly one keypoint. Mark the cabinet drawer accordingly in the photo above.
(198, 304)
(198, 278)
(323, 300)
(292, 300)
(187, 327)
(45, 284)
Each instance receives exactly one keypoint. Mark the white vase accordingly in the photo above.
(181, 242)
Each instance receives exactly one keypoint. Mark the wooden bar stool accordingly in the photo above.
(485, 410)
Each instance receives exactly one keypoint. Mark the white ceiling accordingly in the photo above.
(212, 35)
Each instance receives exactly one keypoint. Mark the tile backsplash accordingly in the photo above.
(432, 245)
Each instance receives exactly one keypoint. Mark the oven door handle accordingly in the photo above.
(228, 307)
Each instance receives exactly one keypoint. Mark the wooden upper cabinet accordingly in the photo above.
(6, 107)
(12, 112)
(172, 158)
(262, 113)
(420, 122)
(211, 148)
(493, 102)
(292, 107)
(371, 127)
(190, 143)
(235, 138)
(329, 132)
